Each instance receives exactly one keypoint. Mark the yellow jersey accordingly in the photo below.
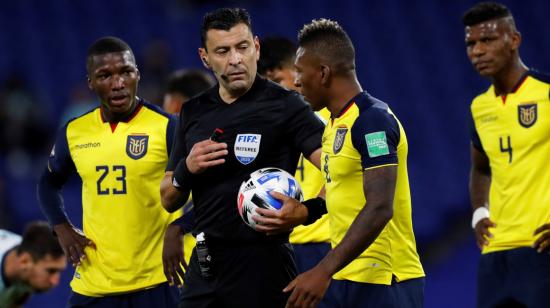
(514, 133)
(121, 167)
(311, 181)
(367, 135)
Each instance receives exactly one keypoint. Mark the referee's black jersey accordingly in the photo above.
(268, 126)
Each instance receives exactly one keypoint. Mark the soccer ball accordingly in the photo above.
(254, 192)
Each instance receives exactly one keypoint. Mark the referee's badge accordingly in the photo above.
(527, 114)
(136, 146)
(247, 147)
(339, 139)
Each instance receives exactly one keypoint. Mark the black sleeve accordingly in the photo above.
(170, 131)
(60, 166)
(179, 149)
(187, 219)
(375, 134)
(474, 137)
(303, 126)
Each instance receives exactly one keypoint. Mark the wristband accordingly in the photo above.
(479, 214)
(316, 208)
(182, 176)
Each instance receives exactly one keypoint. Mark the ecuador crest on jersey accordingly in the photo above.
(136, 146)
(527, 115)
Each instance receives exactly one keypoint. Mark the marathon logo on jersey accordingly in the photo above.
(247, 147)
(527, 115)
(136, 146)
(339, 139)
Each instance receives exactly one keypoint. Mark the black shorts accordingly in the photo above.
(514, 278)
(244, 275)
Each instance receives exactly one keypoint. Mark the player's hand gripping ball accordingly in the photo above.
(254, 192)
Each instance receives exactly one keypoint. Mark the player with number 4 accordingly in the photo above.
(509, 179)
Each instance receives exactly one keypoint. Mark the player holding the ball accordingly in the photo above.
(373, 261)
(258, 124)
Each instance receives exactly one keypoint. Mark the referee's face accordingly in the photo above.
(114, 78)
(232, 56)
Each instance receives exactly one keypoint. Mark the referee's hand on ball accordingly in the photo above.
(292, 214)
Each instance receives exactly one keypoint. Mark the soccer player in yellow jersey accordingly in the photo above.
(509, 178)
(119, 150)
(373, 261)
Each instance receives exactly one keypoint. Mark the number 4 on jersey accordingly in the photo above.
(506, 148)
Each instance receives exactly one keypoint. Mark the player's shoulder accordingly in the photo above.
(155, 109)
(86, 116)
(540, 76)
(485, 97)
(371, 107)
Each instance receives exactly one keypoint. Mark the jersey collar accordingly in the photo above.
(358, 99)
(129, 117)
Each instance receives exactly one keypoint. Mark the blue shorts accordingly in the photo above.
(307, 256)
(404, 294)
(161, 296)
(515, 277)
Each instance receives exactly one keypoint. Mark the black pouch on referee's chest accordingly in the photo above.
(204, 257)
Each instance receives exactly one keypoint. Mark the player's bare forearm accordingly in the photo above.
(171, 198)
(379, 188)
(480, 178)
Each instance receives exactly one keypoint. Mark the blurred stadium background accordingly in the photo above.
(409, 53)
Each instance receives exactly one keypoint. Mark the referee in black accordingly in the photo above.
(257, 124)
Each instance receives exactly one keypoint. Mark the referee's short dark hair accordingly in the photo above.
(105, 45)
(224, 19)
(329, 41)
(485, 11)
(39, 241)
(276, 53)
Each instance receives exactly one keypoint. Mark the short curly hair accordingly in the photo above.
(328, 40)
(485, 11)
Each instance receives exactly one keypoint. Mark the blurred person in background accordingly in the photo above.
(182, 85)
(156, 66)
(119, 150)
(82, 100)
(509, 174)
(28, 264)
(311, 243)
(24, 126)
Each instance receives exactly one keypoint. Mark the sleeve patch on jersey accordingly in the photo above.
(377, 144)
